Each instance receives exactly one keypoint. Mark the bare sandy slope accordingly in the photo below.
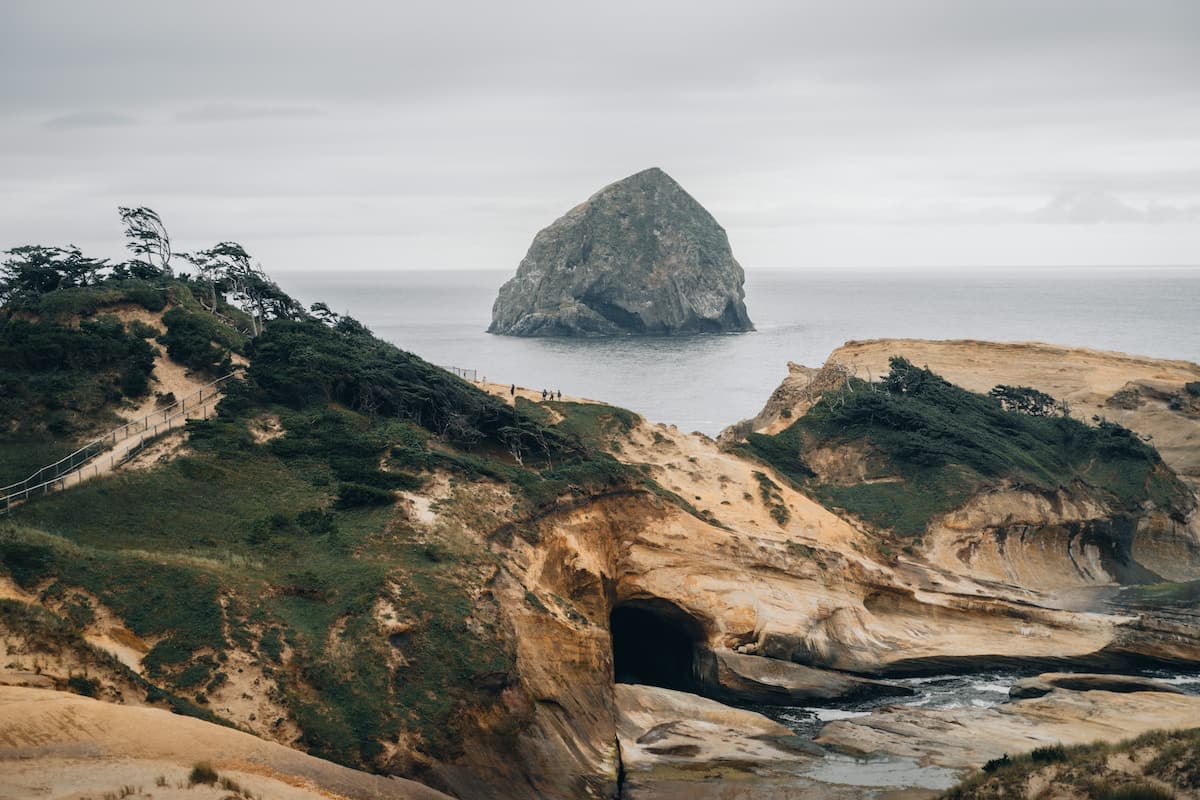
(1077, 374)
(815, 578)
(67, 747)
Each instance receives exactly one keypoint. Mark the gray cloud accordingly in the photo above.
(90, 119)
(1089, 208)
(818, 133)
(234, 112)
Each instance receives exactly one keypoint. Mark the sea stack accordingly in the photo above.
(640, 256)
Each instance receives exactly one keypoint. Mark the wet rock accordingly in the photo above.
(755, 679)
(966, 738)
(676, 736)
(1086, 682)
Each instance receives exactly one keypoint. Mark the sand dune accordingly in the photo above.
(68, 747)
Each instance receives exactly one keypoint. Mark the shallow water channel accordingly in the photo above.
(978, 689)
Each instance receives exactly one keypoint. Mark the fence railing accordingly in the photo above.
(56, 475)
(465, 374)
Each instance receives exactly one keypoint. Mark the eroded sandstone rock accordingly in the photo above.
(1085, 682)
(754, 679)
(966, 738)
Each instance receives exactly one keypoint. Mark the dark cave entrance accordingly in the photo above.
(654, 643)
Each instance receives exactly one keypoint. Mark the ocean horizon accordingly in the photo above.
(707, 382)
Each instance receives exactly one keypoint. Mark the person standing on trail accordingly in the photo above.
(543, 395)
(512, 390)
(560, 394)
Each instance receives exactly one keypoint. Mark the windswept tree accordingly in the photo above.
(148, 241)
(227, 266)
(35, 269)
(210, 273)
(324, 313)
(1024, 399)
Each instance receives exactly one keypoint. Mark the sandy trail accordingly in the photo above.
(146, 429)
(505, 392)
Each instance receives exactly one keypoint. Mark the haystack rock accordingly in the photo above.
(640, 256)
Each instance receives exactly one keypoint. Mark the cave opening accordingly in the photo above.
(654, 643)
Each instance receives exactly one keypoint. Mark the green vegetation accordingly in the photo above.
(283, 548)
(79, 684)
(65, 305)
(202, 773)
(23, 453)
(286, 548)
(1160, 763)
(200, 341)
(58, 378)
(768, 491)
(1049, 754)
(1157, 595)
(164, 600)
(46, 633)
(930, 445)
(594, 423)
(784, 452)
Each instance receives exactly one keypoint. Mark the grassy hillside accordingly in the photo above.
(286, 548)
(1155, 766)
(67, 363)
(931, 445)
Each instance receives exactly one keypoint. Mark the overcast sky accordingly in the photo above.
(444, 135)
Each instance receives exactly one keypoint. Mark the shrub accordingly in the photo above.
(271, 645)
(148, 297)
(308, 365)
(782, 452)
(189, 340)
(996, 763)
(1102, 790)
(88, 687)
(355, 495)
(26, 562)
(142, 330)
(48, 369)
(1048, 754)
(203, 773)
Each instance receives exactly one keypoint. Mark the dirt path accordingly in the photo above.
(505, 392)
(112, 459)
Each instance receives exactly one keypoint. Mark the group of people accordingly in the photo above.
(547, 394)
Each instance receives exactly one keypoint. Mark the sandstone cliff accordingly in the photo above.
(640, 256)
(752, 588)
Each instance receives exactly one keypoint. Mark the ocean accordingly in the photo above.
(704, 383)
